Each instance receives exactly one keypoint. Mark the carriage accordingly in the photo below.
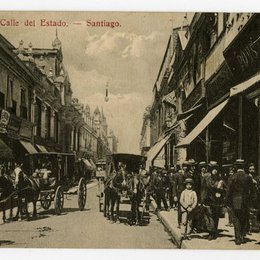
(63, 174)
(127, 165)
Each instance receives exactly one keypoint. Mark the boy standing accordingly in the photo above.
(188, 202)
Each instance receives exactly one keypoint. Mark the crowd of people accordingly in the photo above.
(202, 193)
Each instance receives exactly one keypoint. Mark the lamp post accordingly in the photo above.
(106, 96)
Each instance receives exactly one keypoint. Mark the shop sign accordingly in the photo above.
(26, 129)
(4, 119)
(14, 125)
(243, 54)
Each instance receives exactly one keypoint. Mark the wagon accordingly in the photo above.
(64, 174)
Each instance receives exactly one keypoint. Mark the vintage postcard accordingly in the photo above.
(129, 130)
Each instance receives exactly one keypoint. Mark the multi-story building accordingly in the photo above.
(215, 79)
(112, 142)
(145, 142)
(37, 110)
(101, 127)
(17, 84)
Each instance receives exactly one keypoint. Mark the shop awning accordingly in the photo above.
(188, 112)
(42, 148)
(5, 152)
(202, 124)
(28, 147)
(93, 164)
(87, 164)
(156, 149)
(244, 86)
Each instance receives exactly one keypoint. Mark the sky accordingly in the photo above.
(127, 57)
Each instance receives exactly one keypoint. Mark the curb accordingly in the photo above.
(177, 239)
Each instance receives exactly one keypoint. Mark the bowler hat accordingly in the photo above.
(185, 163)
(188, 180)
(191, 162)
(202, 164)
(239, 162)
(213, 164)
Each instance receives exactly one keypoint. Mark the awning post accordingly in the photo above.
(207, 145)
(240, 127)
(258, 136)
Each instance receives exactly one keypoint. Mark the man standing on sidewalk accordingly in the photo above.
(160, 186)
(179, 186)
(214, 198)
(239, 195)
(170, 180)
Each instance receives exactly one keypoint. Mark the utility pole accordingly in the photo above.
(240, 127)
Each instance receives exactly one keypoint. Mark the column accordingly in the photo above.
(76, 140)
(43, 122)
(52, 126)
(33, 108)
(72, 139)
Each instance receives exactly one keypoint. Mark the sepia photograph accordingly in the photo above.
(129, 130)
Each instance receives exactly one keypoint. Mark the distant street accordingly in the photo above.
(86, 229)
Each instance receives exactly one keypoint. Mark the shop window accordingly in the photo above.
(11, 104)
(48, 122)
(56, 127)
(23, 107)
(2, 100)
(38, 117)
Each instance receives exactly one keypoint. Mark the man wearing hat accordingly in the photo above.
(203, 175)
(179, 186)
(160, 186)
(193, 174)
(170, 183)
(239, 194)
(213, 199)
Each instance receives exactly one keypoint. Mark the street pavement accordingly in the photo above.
(225, 239)
(83, 229)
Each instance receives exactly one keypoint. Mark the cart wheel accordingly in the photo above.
(58, 200)
(46, 203)
(82, 194)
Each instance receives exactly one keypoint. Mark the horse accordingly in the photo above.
(115, 195)
(7, 192)
(28, 191)
(107, 197)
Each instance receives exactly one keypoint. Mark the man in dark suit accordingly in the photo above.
(194, 175)
(170, 182)
(160, 186)
(179, 186)
(239, 194)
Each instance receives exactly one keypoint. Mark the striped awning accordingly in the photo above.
(28, 147)
(202, 124)
(42, 148)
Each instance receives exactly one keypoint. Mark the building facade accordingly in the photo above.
(38, 111)
(214, 83)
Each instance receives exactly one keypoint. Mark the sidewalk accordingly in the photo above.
(199, 240)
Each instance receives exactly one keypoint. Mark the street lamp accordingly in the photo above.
(106, 97)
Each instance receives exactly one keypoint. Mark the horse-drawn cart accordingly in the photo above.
(55, 174)
(124, 183)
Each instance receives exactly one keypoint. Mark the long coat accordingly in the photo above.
(179, 184)
(214, 191)
(240, 191)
